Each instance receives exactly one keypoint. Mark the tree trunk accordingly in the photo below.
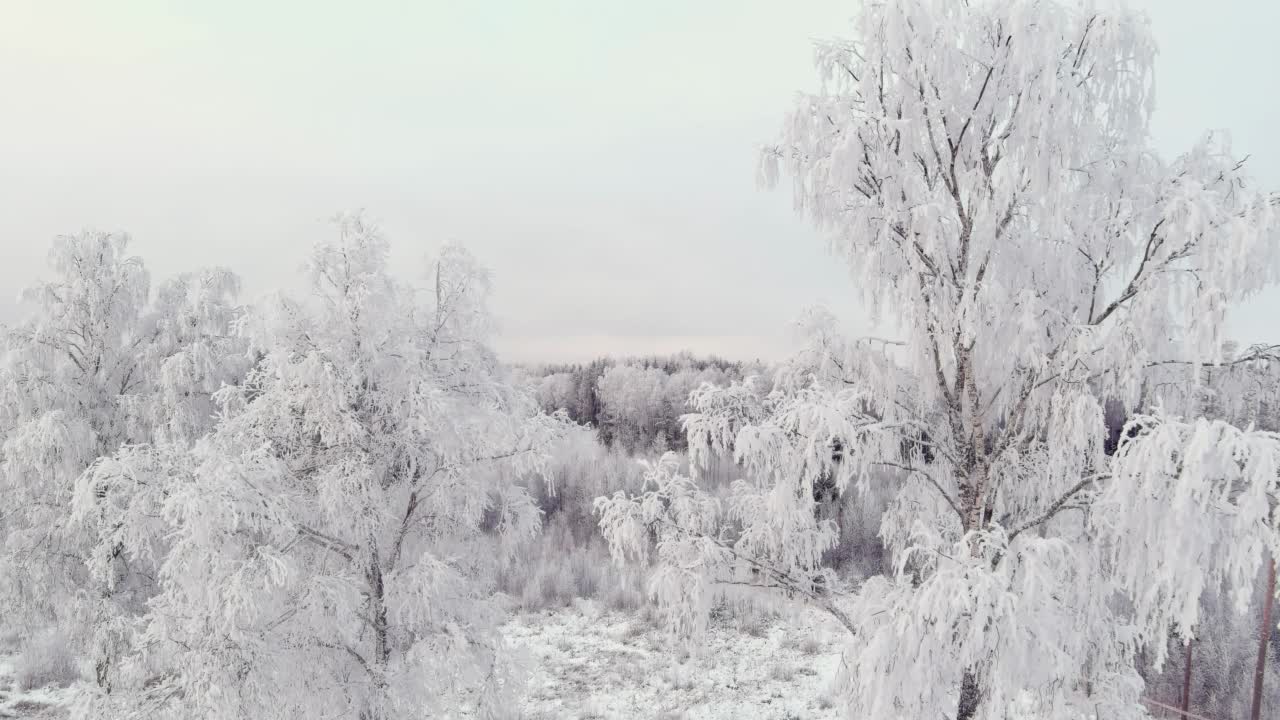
(1186, 681)
(1264, 639)
(381, 647)
(378, 608)
(970, 696)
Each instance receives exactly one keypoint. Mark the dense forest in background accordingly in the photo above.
(635, 402)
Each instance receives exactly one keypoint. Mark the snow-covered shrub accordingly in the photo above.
(558, 567)
(782, 672)
(569, 559)
(46, 660)
(578, 470)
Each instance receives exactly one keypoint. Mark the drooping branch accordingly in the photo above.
(820, 599)
(1056, 506)
(343, 549)
(1255, 353)
(932, 481)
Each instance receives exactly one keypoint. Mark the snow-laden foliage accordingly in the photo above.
(640, 406)
(1186, 510)
(325, 547)
(99, 363)
(985, 169)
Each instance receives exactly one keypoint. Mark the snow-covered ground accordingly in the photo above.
(584, 662)
(37, 703)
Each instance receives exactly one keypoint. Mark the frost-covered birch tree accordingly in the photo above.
(98, 364)
(986, 171)
(65, 370)
(327, 544)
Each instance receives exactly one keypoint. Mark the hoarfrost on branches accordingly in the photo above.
(986, 171)
(328, 540)
(100, 364)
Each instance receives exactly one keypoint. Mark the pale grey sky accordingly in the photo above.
(598, 155)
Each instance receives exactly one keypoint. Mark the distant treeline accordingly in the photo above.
(635, 403)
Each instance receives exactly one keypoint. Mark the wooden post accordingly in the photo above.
(1264, 637)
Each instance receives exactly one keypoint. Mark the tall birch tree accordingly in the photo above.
(985, 169)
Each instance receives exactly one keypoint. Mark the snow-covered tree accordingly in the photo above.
(1226, 642)
(66, 370)
(98, 364)
(328, 542)
(556, 391)
(190, 351)
(985, 169)
(631, 405)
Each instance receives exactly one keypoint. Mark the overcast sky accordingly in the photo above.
(598, 155)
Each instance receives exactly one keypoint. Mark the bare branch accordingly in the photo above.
(1056, 506)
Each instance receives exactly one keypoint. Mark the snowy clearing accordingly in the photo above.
(587, 663)
(36, 703)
